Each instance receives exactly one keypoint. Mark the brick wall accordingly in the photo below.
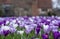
(32, 6)
(44, 4)
(35, 8)
(6, 1)
(0, 1)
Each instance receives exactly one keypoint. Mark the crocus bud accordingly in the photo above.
(37, 30)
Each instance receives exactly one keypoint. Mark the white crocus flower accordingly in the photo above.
(15, 25)
(2, 25)
(58, 17)
(53, 21)
(5, 27)
(59, 31)
(7, 22)
(37, 38)
(45, 28)
(12, 30)
(13, 21)
(27, 26)
(16, 18)
(32, 24)
(31, 19)
(48, 20)
(19, 21)
(54, 28)
(20, 32)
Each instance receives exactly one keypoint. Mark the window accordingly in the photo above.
(8, 10)
(44, 9)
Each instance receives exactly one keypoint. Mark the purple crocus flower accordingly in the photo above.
(47, 21)
(5, 33)
(37, 30)
(4, 22)
(56, 35)
(59, 24)
(25, 17)
(59, 35)
(45, 36)
(1, 23)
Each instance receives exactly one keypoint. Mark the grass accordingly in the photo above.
(25, 36)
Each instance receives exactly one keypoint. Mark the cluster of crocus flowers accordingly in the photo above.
(9, 25)
(5, 30)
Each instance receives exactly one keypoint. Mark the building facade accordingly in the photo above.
(27, 7)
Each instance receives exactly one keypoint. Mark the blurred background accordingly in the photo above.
(29, 8)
